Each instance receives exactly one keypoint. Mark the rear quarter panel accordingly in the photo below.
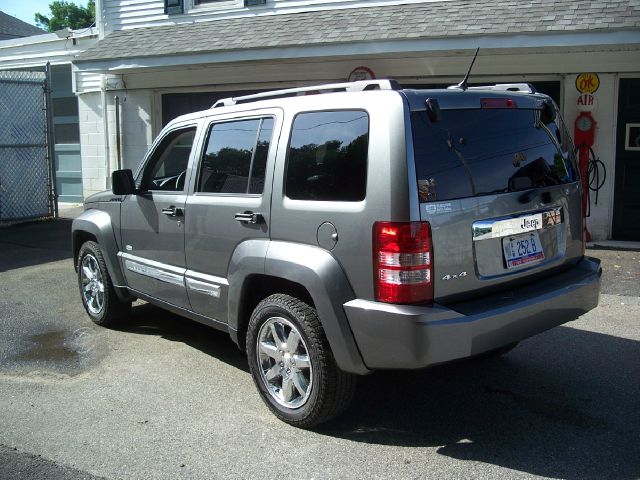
(387, 191)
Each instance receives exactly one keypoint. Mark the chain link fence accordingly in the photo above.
(26, 174)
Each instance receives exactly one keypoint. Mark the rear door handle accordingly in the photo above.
(172, 211)
(249, 217)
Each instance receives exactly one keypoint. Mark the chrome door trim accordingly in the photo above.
(157, 270)
(203, 287)
(485, 229)
(206, 284)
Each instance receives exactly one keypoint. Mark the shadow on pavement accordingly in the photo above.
(34, 243)
(565, 404)
(147, 319)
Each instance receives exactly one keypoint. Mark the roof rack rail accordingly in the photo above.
(508, 87)
(358, 86)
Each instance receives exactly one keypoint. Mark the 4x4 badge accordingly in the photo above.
(454, 276)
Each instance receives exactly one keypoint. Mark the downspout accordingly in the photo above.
(116, 100)
(105, 128)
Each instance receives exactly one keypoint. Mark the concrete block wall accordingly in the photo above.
(136, 134)
(92, 143)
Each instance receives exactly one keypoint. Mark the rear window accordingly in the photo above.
(488, 151)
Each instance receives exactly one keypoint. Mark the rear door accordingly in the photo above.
(229, 204)
(498, 185)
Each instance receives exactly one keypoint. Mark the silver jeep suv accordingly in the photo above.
(338, 229)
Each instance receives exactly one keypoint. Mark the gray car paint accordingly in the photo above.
(404, 336)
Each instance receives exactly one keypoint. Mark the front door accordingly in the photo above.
(230, 205)
(153, 221)
(626, 207)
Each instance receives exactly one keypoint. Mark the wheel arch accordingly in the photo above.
(301, 271)
(96, 225)
(79, 237)
(254, 289)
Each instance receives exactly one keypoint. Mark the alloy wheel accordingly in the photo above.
(283, 359)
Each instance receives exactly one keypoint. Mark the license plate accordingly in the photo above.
(522, 250)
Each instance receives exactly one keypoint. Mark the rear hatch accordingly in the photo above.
(497, 181)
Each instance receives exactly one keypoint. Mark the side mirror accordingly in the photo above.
(122, 182)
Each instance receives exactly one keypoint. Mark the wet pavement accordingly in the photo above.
(41, 331)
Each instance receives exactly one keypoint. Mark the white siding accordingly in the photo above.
(126, 14)
(85, 82)
(123, 14)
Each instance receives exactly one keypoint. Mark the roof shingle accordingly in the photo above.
(396, 22)
(12, 27)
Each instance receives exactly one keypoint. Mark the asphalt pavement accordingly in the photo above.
(166, 398)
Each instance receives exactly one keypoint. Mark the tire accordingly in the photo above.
(96, 290)
(496, 352)
(303, 395)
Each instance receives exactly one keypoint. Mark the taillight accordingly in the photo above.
(403, 262)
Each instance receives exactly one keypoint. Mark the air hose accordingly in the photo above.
(596, 176)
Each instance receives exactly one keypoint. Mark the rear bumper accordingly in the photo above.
(402, 336)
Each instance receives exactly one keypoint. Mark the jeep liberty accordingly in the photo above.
(339, 229)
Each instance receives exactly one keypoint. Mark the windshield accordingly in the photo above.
(488, 151)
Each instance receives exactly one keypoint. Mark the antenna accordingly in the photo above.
(463, 84)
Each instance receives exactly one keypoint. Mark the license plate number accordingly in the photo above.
(522, 250)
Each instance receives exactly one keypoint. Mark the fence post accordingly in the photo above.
(51, 141)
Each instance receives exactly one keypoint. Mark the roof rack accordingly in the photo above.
(358, 86)
(507, 87)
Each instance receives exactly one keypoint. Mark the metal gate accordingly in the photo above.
(26, 174)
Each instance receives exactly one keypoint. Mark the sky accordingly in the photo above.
(25, 10)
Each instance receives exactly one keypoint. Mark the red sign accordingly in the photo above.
(361, 73)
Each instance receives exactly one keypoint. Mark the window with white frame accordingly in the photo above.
(206, 4)
(174, 7)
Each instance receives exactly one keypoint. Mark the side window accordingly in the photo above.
(327, 158)
(236, 157)
(167, 167)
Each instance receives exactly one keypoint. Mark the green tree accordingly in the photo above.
(67, 14)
